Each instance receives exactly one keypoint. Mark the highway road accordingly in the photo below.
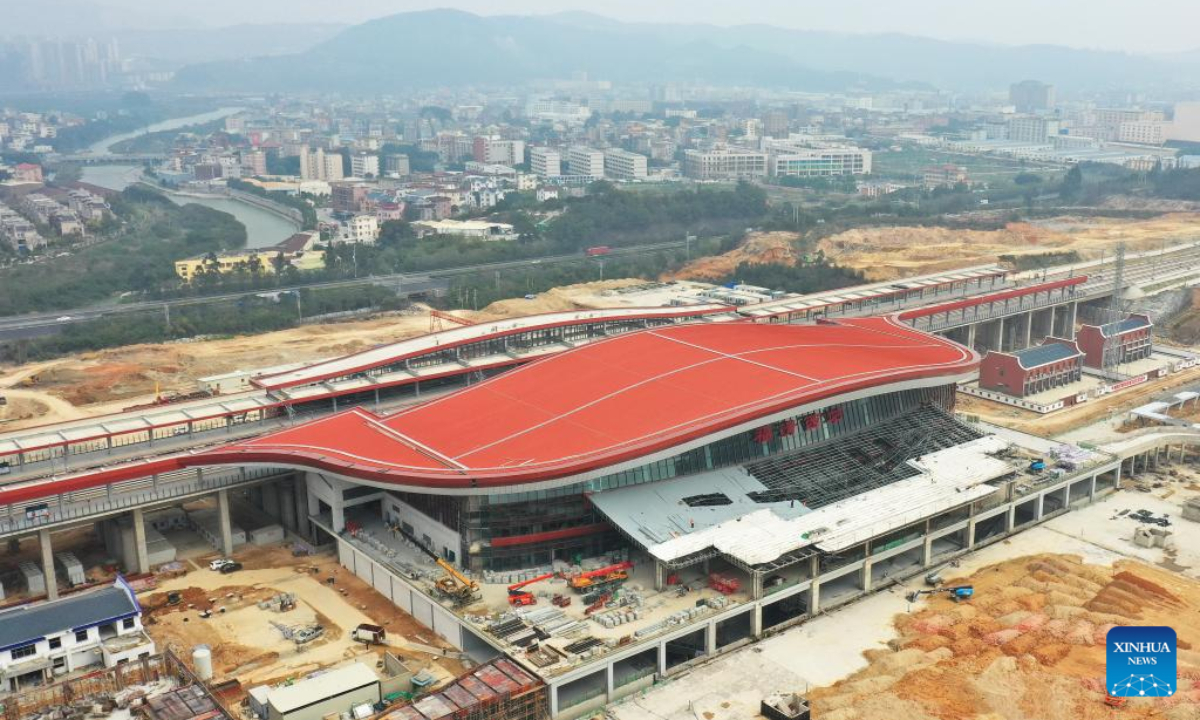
(36, 324)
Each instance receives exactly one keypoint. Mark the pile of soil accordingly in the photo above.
(1029, 645)
(770, 248)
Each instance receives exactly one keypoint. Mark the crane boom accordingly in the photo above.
(515, 588)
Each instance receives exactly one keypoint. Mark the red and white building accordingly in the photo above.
(1020, 373)
(1133, 337)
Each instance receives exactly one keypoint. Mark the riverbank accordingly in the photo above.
(267, 223)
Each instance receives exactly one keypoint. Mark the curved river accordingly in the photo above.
(263, 229)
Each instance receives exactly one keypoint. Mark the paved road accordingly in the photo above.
(35, 324)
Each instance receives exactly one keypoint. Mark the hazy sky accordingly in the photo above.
(1143, 26)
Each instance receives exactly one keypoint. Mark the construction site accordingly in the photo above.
(610, 506)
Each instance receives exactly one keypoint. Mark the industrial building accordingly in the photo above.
(724, 164)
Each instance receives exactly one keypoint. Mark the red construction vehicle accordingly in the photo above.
(597, 250)
(1115, 702)
(723, 584)
(603, 576)
(598, 605)
(518, 597)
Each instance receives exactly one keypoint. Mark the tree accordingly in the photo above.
(1027, 179)
(394, 233)
(1072, 184)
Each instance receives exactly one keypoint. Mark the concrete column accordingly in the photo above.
(608, 682)
(337, 511)
(553, 701)
(928, 553)
(710, 638)
(287, 505)
(756, 585)
(756, 621)
(814, 598)
(659, 576)
(48, 564)
(1070, 334)
(866, 575)
(139, 541)
(226, 523)
(1092, 488)
(1000, 334)
(300, 491)
(971, 336)
(971, 532)
(1027, 322)
(1041, 505)
(662, 659)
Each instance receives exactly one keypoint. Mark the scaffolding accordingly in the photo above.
(866, 461)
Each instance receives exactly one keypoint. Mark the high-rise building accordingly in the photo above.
(319, 165)
(396, 165)
(545, 162)
(364, 165)
(494, 151)
(624, 165)
(1030, 96)
(585, 161)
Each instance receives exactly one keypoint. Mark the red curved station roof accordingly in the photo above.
(608, 402)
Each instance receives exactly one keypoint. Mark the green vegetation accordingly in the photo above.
(254, 314)
(816, 276)
(309, 215)
(164, 140)
(140, 258)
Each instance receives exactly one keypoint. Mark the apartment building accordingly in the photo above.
(494, 151)
(42, 641)
(364, 165)
(397, 165)
(724, 164)
(545, 162)
(624, 165)
(362, 229)
(319, 165)
(585, 161)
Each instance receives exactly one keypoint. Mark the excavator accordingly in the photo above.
(603, 577)
(454, 585)
(518, 597)
(957, 593)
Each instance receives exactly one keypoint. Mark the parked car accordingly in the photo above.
(218, 563)
(231, 566)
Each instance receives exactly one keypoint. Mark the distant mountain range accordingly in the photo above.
(450, 47)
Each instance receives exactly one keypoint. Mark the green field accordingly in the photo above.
(909, 164)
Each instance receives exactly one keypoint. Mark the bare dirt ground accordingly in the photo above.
(1029, 645)
(247, 642)
(889, 253)
(107, 381)
(776, 248)
(1059, 422)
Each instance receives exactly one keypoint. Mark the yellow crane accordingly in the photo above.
(454, 585)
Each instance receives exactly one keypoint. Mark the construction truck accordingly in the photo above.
(603, 577)
(453, 585)
(957, 592)
(518, 597)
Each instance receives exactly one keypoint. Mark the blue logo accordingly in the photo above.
(1141, 662)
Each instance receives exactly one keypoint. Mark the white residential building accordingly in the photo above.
(363, 229)
(364, 165)
(494, 151)
(43, 640)
(585, 161)
(624, 165)
(545, 162)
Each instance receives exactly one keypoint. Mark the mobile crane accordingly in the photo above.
(605, 576)
(518, 597)
(454, 585)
